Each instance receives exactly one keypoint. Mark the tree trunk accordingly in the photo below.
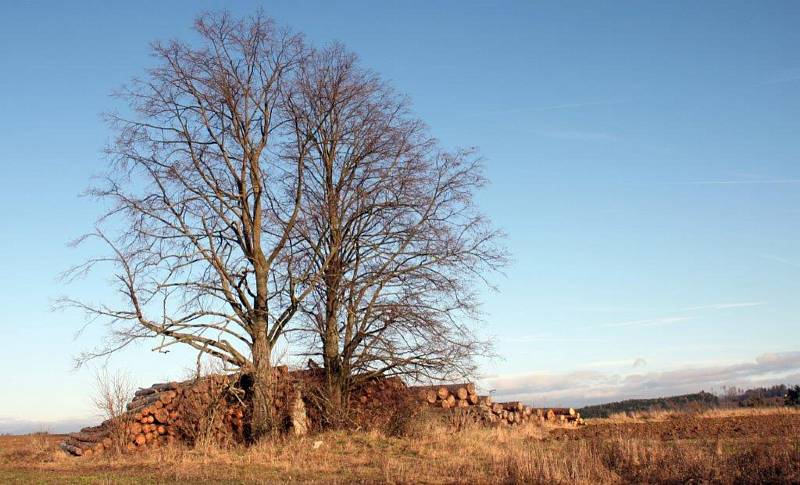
(333, 368)
(332, 359)
(263, 423)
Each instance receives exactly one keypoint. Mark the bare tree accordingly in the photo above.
(205, 187)
(389, 221)
(256, 181)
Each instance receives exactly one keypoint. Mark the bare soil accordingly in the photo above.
(688, 427)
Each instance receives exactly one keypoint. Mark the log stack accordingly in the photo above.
(213, 407)
(377, 404)
(486, 411)
(449, 396)
(567, 416)
(151, 419)
(163, 413)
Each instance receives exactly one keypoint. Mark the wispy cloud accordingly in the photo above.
(604, 309)
(739, 182)
(590, 136)
(544, 338)
(577, 105)
(638, 362)
(779, 259)
(725, 306)
(711, 306)
(554, 107)
(668, 320)
(651, 322)
(592, 386)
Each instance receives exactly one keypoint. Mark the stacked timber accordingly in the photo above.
(449, 396)
(567, 416)
(486, 411)
(164, 413)
(152, 419)
(214, 408)
(377, 404)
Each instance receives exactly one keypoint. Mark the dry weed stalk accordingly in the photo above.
(113, 390)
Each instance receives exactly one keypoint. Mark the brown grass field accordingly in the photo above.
(740, 446)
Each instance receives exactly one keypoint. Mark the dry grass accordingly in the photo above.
(732, 412)
(663, 415)
(473, 455)
(637, 416)
(430, 454)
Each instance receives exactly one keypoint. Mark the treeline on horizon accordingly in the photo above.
(779, 395)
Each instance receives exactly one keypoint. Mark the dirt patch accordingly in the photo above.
(688, 427)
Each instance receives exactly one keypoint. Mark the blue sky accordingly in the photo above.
(644, 162)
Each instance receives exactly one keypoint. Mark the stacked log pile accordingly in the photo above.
(563, 416)
(166, 412)
(213, 407)
(485, 410)
(378, 403)
(151, 419)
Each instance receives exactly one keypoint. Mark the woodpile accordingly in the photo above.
(486, 411)
(152, 419)
(214, 408)
(208, 408)
(380, 404)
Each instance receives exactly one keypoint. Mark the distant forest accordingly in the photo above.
(779, 395)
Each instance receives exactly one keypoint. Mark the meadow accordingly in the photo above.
(718, 446)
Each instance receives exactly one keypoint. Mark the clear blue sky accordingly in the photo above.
(644, 159)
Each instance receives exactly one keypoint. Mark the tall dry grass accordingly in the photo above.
(657, 415)
(713, 461)
(433, 453)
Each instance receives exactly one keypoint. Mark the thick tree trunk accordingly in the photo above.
(332, 363)
(332, 278)
(263, 423)
(336, 376)
(332, 359)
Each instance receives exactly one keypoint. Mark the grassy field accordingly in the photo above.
(723, 447)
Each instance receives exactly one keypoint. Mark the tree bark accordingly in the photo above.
(263, 419)
(332, 278)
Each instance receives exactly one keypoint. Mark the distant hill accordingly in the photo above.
(732, 397)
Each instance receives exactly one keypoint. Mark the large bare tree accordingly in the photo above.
(257, 185)
(390, 223)
(205, 187)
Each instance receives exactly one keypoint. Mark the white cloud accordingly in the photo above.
(724, 306)
(638, 362)
(651, 322)
(553, 107)
(543, 338)
(779, 259)
(578, 135)
(578, 105)
(739, 182)
(609, 363)
(592, 386)
(656, 322)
